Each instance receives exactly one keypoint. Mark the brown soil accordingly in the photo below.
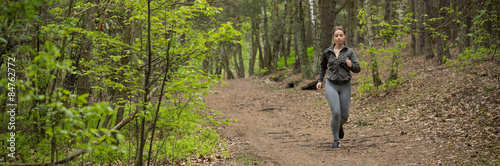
(436, 116)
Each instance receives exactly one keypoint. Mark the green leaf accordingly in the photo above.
(3, 40)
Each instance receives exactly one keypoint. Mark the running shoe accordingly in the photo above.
(336, 145)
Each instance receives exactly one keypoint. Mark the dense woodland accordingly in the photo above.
(109, 81)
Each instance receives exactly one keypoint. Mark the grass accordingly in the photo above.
(362, 123)
(247, 159)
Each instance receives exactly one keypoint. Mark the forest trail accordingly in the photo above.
(289, 126)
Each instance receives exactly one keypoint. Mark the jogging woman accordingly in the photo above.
(339, 60)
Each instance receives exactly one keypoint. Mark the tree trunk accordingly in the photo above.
(253, 52)
(422, 34)
(428, 51)
(265, 39)
(442, 52)
(296, 65)
(127, 39)
(225, 58)
(328, 16)
(262, 65)
(240, 67)
(302, 48)
(318, 51)
(285, 33)
(414, 28)
(374, 66)
(277, 36)
(83, 83)
(143, 133)
(234, 54)
(352, 21)
(290, 31)
(395, 56)
(388, 9)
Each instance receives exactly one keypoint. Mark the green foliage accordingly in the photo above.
(49, 107)
(480, 38)
(290, 60)
(366, 84)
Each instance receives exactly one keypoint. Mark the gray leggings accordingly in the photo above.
(339, 98)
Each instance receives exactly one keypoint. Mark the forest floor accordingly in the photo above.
(437, 116)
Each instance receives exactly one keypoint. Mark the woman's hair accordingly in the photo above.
(335, 28)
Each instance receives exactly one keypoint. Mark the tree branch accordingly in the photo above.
(340, 9)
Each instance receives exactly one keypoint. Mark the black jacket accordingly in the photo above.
(338, 71)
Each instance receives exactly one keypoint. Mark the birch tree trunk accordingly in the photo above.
(316, 23)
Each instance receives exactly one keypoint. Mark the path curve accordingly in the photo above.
(281, 126)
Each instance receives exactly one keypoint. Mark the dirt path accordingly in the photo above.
(279, 126)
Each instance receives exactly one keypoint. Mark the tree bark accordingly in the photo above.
(422, 34)
(240, 67)
(143, 137)
(296, 65)
(374, 65)
(286, 33)
(290, 31)
(428, 51)
(414, 28)
(328, 16)
(83, 83)
(265, 39)
(395, 56)
(277, 36)
(388, 9)
(253, 52)
(318, 51)
(225, 58)
(352, 21)
(302, 48)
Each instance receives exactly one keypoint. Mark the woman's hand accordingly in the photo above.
(318, 86)
(349, 63)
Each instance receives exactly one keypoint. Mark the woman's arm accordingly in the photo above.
(322, 67)
(355, 64)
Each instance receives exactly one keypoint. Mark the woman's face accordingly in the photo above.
(339, 37)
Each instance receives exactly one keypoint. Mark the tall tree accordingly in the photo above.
(301, 42)
(329, 13)
(278, 34)
(143, 133)
(225, 57)
(83, 84)
(318, 50)
(265, 39)
(414, 28)
(240, 68)
(425, 33)
(369, 31)
(254, 41)
(352, 21)
(399, 44)
(285, 46)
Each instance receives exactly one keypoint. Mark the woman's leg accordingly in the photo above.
(333, 99)
(345, 101)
